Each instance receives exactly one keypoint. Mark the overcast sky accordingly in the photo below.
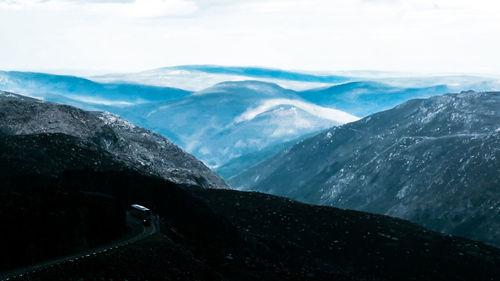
(325, 35)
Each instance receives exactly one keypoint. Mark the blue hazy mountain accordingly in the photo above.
(366, 97)
(199, 77)
(233, 125)
(83, 92)
(260, 72)
(232, 119)
(223, 122)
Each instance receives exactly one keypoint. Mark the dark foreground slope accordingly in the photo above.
(434, 161)
(42, 218)
(231, 235)
(207, 234)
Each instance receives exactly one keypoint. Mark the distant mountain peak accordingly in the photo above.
(249, 86)
(336, 116)
(260, 72)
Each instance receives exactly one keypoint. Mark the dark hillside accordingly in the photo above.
(231, 235)
(61, 193)
(42, 220)
(432, 161)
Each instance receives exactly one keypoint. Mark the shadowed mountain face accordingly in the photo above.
(433, 161)
(42, 220)
(52, 154)
(206, 234)
(134, 147)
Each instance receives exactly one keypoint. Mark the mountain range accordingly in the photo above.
(433, 161)
(232, 125)
(217, 124)
(199, 77)
(232, 119)
(67, 176)
(362, 98)
(82, 92)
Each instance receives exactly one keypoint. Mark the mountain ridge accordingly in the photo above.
(268, 114)
(80, 90)
(367, 97)
(393, 162)
(138, 148)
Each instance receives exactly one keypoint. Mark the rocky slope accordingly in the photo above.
(209, 234)
(434, 161)
(137, 148)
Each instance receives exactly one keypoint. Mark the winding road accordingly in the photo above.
(138, 232)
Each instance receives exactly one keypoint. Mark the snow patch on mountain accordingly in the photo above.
(115, 120)
(331, 114)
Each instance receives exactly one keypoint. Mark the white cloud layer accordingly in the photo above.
(131, 35)
(334, 115)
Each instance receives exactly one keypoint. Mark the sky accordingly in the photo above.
(101, 36)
